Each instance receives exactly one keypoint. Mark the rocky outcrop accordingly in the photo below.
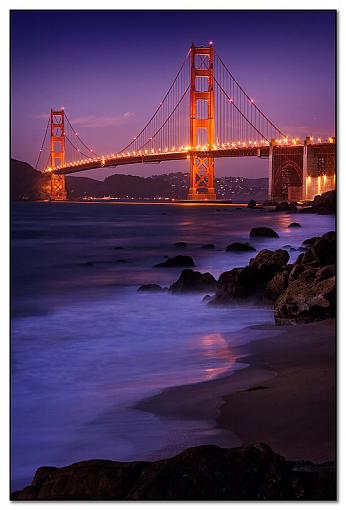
(322, 204)
(202, 473)
(252, 204)
(240, 247)
(178, 261)
(285, 206)
(193, 281)
(249, 281)
(294, 224)
(301, 292)
(263, 232)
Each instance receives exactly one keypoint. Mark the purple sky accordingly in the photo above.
(110, 69)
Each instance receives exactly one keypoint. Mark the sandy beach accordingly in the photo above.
(285, 397)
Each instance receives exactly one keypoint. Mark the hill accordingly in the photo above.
(29, 184)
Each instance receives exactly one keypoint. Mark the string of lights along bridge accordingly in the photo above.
(204, 115)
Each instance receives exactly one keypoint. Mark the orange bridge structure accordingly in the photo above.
(204, 115)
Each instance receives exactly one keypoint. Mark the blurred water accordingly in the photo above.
(86, 345)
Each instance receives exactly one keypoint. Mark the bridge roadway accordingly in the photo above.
(117, 160)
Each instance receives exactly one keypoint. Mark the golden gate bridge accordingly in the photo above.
(204, 115)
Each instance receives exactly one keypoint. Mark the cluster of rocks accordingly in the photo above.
(303, 291)
(322, 204)
(204, 473)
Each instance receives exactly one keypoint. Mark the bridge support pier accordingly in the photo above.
(57, 154)
(202, 122)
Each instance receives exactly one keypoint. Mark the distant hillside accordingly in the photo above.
(26, 183)
(29, 184)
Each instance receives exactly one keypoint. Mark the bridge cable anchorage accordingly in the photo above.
(42, 145)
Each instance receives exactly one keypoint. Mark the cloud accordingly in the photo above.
(101, 121)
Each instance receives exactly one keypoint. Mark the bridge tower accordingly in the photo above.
(57, 153)
(202, 122)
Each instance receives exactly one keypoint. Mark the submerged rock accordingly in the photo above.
(150, 287)
(252, 204)
(263, 232)
(193, 281)
(239, 247)
(294, 224)
(178, 261)
(180, 244)
(203, 473)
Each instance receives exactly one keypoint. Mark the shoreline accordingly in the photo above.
(285, 397)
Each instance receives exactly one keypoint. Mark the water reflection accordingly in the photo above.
(216, 348)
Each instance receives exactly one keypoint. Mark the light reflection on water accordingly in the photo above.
(86, 345)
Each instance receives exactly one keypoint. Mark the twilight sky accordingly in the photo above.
(110, 70)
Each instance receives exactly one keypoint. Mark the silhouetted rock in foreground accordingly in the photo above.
(178, 261)
(201, 473)
(194, 281)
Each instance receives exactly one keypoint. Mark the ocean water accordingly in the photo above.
(85, 346)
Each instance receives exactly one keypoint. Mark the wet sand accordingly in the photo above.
(285, 397)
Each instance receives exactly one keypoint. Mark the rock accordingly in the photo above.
(278, 284)
(178, 261)
(310, 241)
(180, 244)
(209, 246)
(263, 232)
(322, 204)
(150, 287)
(193, 281)
(286, 247)
(206, 298)
(252, 204)
(243, 283)
(202, 473)
(326, 203)
(322, 250)
(294, 225)
(238, 284)
(118, 247)
(268, 262)
(285, 206)
(123, 261)
(310, 296)
(239, 247)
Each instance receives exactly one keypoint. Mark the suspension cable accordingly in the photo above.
(44, 140)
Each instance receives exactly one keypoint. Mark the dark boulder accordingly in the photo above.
(209, 246)
(278, 284)
(263, 232)
(178, 261)
(252, 204)
(294, 225)
(239, 247)
(268, 262)
(193, 281)
(150, 287)
(201, 473)
(310, 296)
(322, 251)
(238, 284)
(325, 203)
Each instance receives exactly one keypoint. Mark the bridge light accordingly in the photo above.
(319, 140)
(210, 43)
(252, 100)
(330, 139)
